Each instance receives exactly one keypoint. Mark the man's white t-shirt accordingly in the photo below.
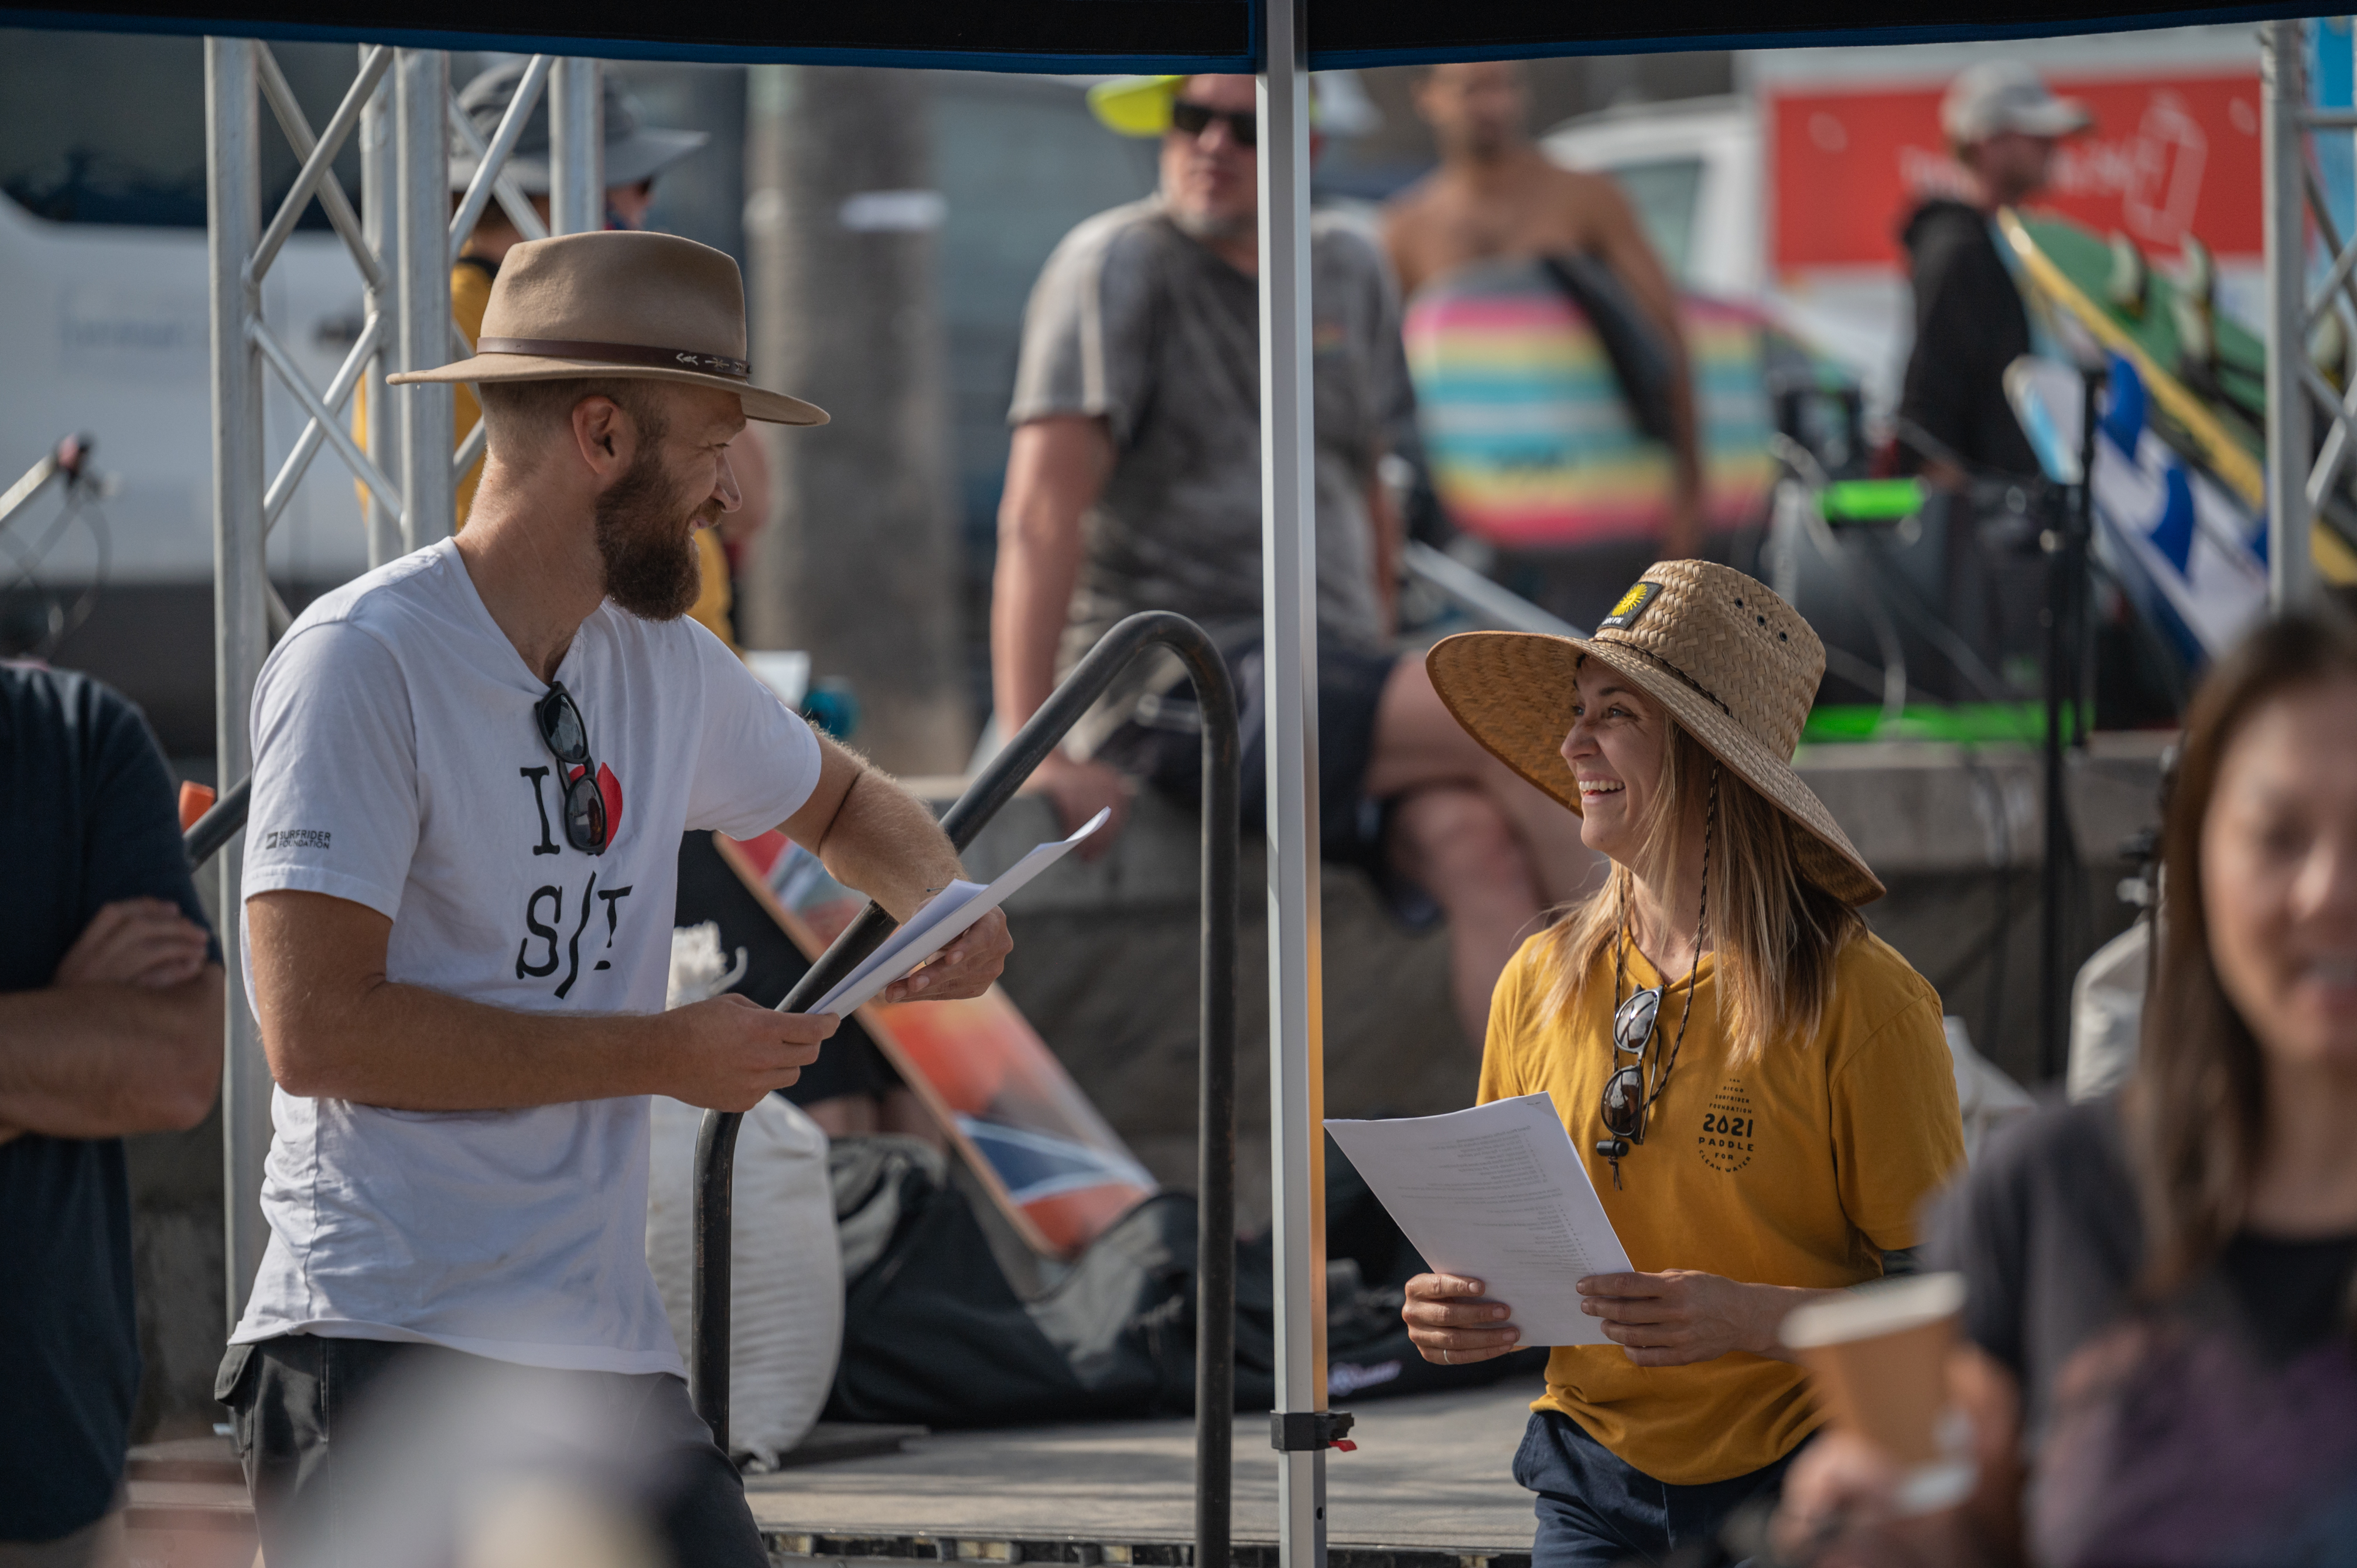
(397, 765)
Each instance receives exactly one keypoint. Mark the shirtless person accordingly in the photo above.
(1496, 195)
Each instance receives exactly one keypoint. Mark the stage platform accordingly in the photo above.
(1429, 1486)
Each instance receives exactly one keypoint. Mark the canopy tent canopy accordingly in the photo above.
(1109, 35)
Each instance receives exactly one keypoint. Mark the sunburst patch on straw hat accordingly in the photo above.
(1733, 664)
(650, 306)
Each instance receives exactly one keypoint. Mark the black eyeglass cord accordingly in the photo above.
(1658, 1082)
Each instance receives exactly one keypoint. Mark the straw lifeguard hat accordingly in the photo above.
(650, 306)
(1734, 664)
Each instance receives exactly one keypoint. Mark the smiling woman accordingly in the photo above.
(2162, 1286)
(1764, 1085)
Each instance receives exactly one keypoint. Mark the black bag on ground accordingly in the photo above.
(935, 1331)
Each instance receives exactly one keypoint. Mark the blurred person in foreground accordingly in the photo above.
(633, 153)
(110, 1025)
(1970, 322)
(1134, 484)
(1760, 1086)
(2161, 1324)
(472, 771)
(1495, 196)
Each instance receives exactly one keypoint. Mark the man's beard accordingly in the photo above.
(1211, 227)
(649, 571)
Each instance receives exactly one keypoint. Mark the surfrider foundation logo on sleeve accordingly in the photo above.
(1724, 1138)
(296, 838)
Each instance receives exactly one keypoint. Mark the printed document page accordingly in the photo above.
(942, 921)
(1498, 1194)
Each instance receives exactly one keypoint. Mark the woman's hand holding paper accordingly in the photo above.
(1453, 1325)
(1682, 1316)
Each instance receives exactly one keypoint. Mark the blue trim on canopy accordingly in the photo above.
(1465, 31)
(1075, 63)
(1435, 52)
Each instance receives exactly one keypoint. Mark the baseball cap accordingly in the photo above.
(2007, 95)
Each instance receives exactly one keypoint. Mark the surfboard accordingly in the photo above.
(2202, 374)
(1530, 441)
(1052, 1165)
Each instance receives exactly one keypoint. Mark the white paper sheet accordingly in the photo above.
(1496, 1193)
(942, 921)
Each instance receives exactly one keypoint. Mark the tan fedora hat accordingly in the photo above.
(619, 303)
(1734, 664)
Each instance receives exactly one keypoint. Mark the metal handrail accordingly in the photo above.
(218, 825)
(1215, 1265)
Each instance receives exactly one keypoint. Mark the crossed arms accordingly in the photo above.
(124, 1039)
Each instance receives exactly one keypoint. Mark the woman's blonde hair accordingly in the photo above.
(1775, 932)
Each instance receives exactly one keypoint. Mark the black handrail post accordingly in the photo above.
(1215, 1263)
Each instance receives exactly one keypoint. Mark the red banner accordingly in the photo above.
(2168, 156)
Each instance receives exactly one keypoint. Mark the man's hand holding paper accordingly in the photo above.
(951, 946)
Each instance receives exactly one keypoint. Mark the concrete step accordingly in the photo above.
(822, 1549)
(187, 1506)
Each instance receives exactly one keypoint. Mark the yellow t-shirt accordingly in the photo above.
(1801, 1168)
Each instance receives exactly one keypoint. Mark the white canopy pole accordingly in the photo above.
(421, 165)
(576, 139)
(241, 591)
(1289, 612)
(2291, 561)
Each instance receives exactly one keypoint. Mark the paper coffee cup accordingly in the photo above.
(1879, 1356)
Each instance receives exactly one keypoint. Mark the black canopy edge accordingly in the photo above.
(1063, 37)
(1363, 33)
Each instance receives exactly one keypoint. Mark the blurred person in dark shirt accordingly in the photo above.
(2161, 1323)
(110, 1024)
(1970, 323)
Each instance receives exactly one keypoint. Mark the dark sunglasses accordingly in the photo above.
(1624, 1106)
(567, 739)
(1191, 120)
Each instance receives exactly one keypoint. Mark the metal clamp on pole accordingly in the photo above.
(1306, 1431)
(1215, 1256)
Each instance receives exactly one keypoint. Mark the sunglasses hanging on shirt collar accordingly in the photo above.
(567, 739)
(1629, 1092)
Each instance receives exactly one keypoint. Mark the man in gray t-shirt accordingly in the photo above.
(1134, 484)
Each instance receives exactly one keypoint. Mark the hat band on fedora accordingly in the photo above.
(619, 354)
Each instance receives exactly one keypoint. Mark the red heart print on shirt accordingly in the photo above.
(611, 789)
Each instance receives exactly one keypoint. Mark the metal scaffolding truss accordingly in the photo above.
(2304, 477)
(402, 240)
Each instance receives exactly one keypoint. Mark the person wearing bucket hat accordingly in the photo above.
(472, 771)
(1133, 483)
(2004, 126)
(1760, 1088)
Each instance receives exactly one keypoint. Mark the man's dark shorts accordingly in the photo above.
(1163, 745)
(1596, 1509)
(368, 1454)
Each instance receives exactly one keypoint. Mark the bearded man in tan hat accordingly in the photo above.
(472, 769)
(1762, 1086)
